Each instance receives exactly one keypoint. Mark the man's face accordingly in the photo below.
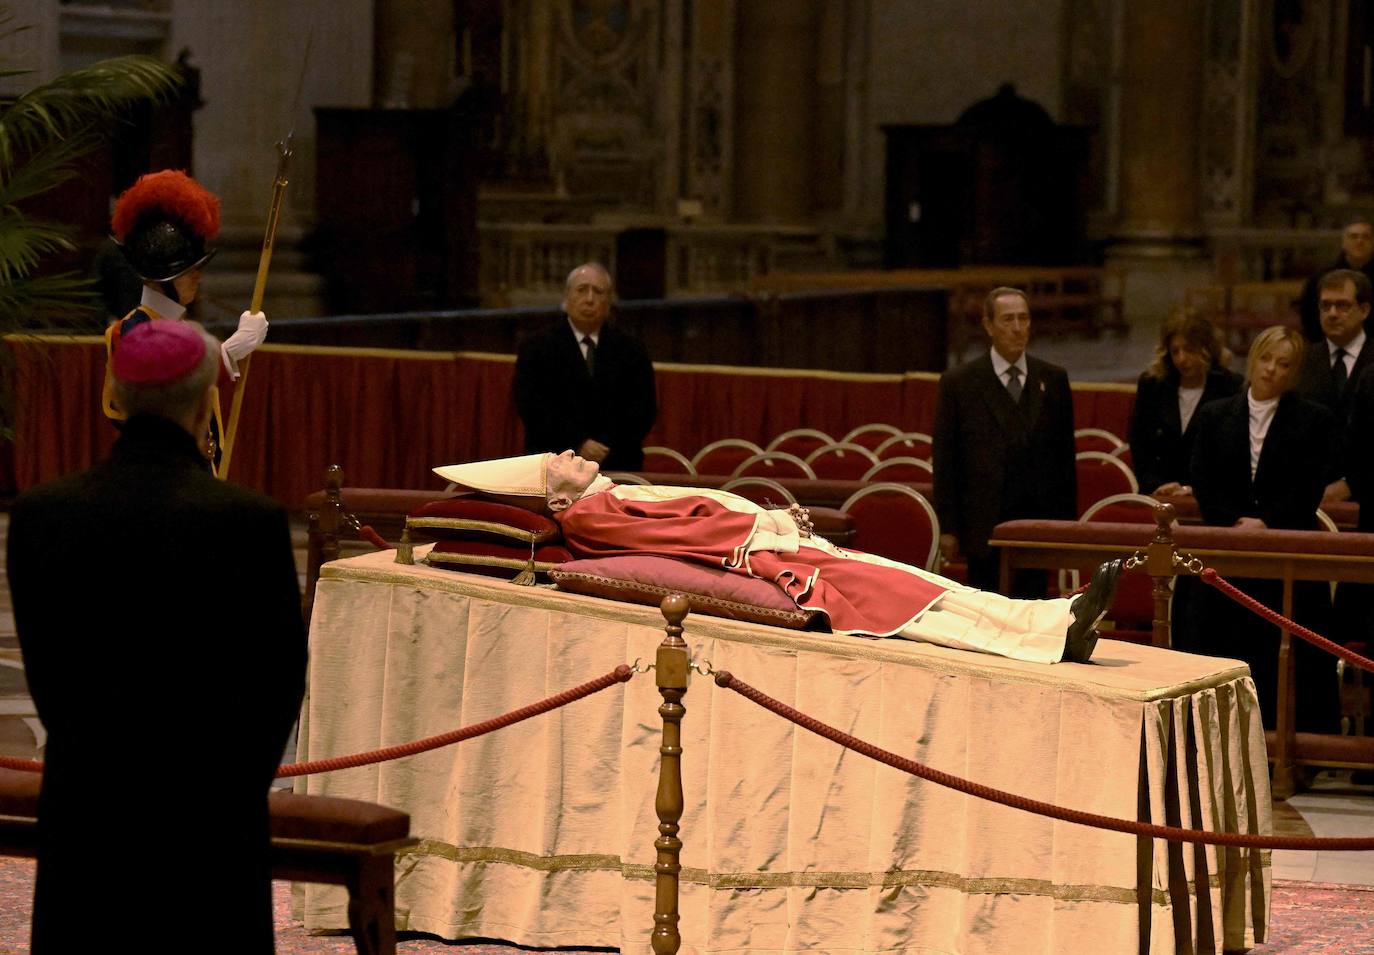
(1342, 316)
(187, 285)
(587, 299)
(1357, 242)
(1009, 327)
(1273, 370)
(565, 478)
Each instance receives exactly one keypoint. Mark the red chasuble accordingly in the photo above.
(857, 597)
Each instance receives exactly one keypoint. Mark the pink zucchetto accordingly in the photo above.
(157, 352)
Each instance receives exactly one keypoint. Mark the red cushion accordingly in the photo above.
(647, 580)
(470, 518)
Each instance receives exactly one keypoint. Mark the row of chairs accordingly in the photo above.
(838, 461)
(849, 458)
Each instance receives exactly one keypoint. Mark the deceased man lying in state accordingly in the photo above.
(860, 594)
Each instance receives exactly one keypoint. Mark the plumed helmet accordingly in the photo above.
(164, 223)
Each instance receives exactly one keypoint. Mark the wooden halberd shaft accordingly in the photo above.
(671, 669)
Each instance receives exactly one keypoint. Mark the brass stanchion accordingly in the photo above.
(670, 672)
(1159, 564)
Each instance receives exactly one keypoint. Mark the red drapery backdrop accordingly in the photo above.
(389, 416)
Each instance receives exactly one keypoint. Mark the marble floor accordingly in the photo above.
(1332, 806)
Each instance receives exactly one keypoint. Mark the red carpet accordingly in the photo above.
(1310, 918)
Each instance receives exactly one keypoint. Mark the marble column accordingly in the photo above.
(1161, 94)
(775, 106)
(414, 53)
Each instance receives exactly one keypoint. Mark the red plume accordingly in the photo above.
(172, 192)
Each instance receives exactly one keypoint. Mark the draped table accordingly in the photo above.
(542, 833)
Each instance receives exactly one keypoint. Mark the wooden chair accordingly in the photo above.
(1100, 476)
(908, 444)
(1096, 439)
(763, 491)
(903, 470)
(894, 521)
(724, 456)
(800, 441)
(659, 460)
(871, 435)
(841, 462)
(774, 464)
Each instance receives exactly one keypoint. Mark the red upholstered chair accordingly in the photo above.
(666, 461)
(763, 491)
(904, 470)
(724, 456)
(908, 444)
(841, 462)
(894, 521)
(871, 435)
(1101, 475)
(1096, 439)
(774, 464)
(800, 441)
(1123, 454)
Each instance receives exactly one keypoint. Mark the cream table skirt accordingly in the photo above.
(542, 833)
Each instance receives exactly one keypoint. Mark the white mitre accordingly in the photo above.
(524, 476)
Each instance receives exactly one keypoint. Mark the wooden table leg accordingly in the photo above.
(1283, 782)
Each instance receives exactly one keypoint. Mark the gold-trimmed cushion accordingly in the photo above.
(472, 518)
(509, 560)
(719, 593)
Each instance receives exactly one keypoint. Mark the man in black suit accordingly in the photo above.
(1357, 254)
(158, 612)
(1330, 367)
(1003, 445)
(584, 384)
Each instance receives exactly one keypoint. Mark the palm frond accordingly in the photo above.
(46, 169)
(66, 298)
(24, 241)
(74, 101)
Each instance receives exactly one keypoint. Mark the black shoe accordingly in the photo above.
(1089, 609)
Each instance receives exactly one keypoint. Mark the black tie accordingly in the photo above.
(1014, 383)
(1339, 374)
(591, 354)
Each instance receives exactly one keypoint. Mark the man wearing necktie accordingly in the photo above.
(1003, 445)
(1343, 300)
(584, 384)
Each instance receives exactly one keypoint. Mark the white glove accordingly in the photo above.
(252, 332)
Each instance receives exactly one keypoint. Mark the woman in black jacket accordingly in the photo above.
(1189, 370)
(1260, 460)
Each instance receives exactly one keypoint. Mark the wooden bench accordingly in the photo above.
(1286, 556)
(314, 839)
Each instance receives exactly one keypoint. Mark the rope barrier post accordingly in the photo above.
(670, 672)
(1282, 783)
(1159, 564)
(331, 517)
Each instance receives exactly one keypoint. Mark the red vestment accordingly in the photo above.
(856, 596)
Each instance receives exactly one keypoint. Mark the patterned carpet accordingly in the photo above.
(1310, 918)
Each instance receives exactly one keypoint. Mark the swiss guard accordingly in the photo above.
(165, 223)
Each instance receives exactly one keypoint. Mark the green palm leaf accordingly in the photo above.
(74, 102)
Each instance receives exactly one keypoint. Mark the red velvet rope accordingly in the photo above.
(372, 537)
(620, 674)
(1210, 576)
(1173, 833)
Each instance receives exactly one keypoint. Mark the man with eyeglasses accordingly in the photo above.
(1357, 255)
